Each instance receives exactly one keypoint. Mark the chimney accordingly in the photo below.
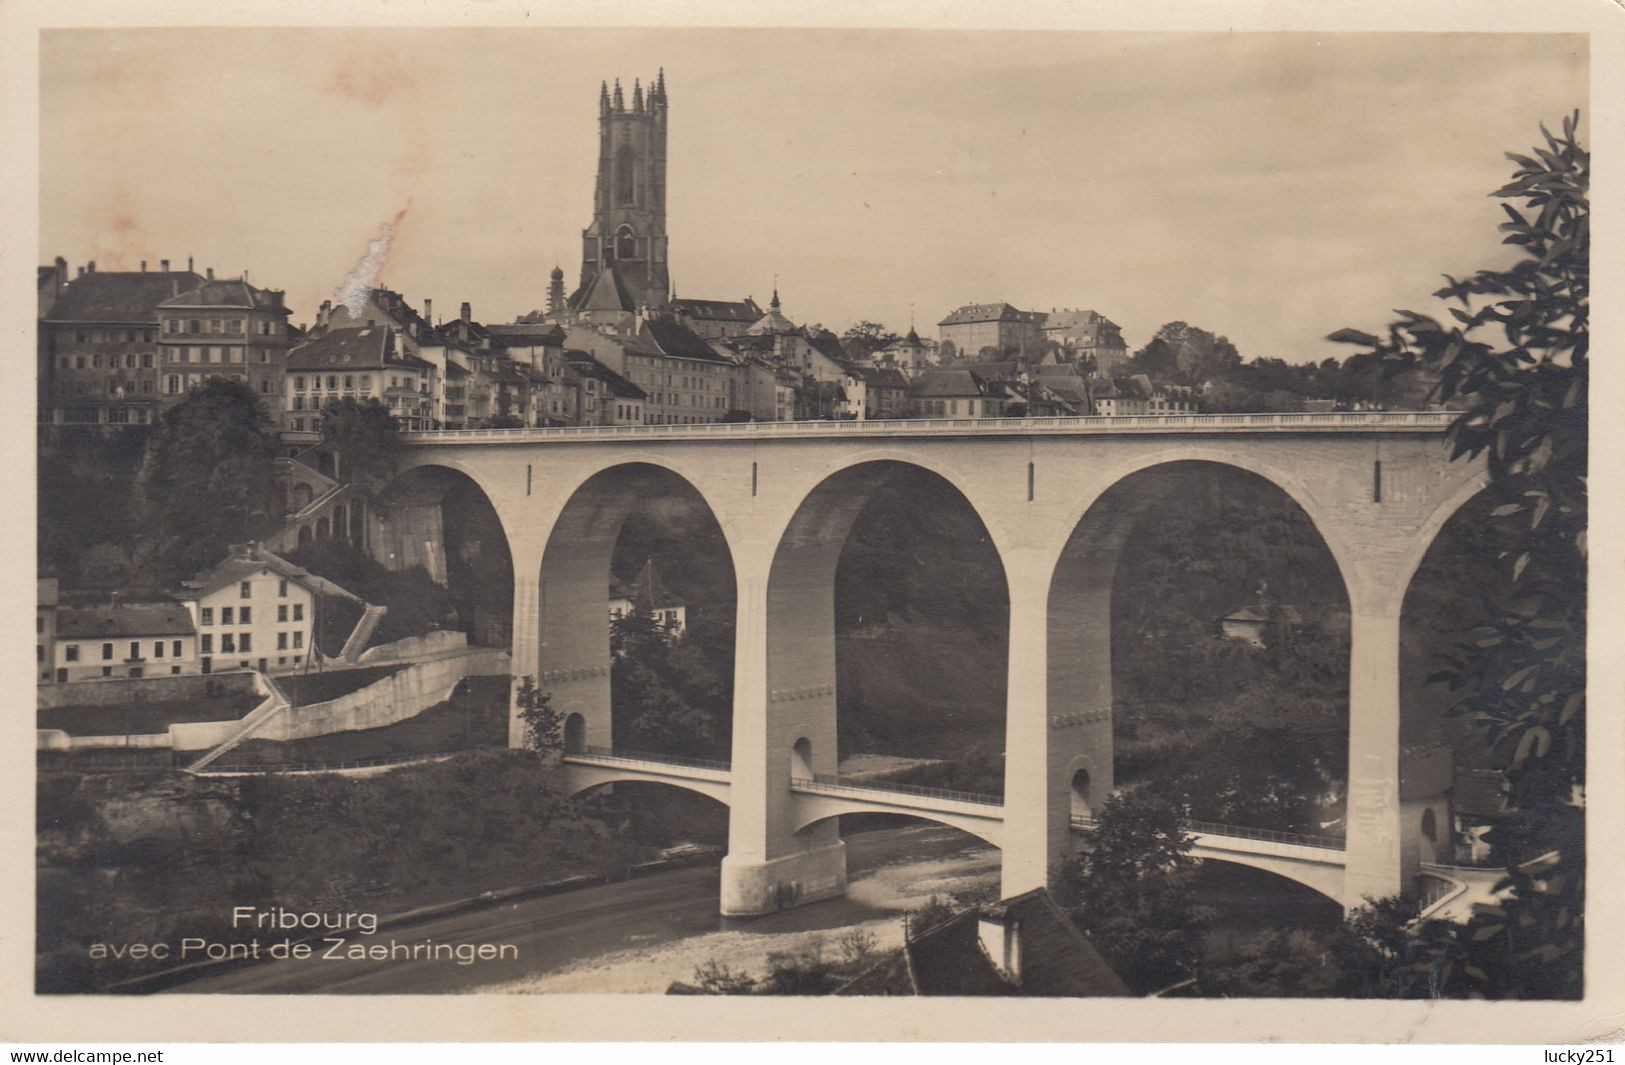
(210, 272)
(163, 264)
(467, 314)
(188, 265)
(92, 267)
(81, 272)
(428, 311)
(143, 266)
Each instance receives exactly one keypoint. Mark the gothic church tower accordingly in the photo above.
(628, 231)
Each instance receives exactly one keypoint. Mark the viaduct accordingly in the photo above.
(1058, 498)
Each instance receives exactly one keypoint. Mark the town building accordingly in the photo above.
(255, 610)
(1140, 395)
(714, 319)
(885, 392)
(909, 354)
(950, 392)
(976, 328)
(606, 398)
(683, 379)
(99, 344)
(225, 329)
(122, 639)
(1082, 335)
(628, 228)
(358, 363)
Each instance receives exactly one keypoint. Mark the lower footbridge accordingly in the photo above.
(1316, 861)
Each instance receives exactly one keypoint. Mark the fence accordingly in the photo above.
(834, 783)
(636, 758)
(322, 767)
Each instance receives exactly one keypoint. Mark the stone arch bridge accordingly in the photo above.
(1058, 498)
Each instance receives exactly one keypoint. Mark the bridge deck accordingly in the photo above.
(1372, 422)
(908, 798)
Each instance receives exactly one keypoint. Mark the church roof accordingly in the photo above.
(772, 322)
(668, 336)
(607, 292)
(647, 592)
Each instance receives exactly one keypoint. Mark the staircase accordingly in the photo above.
(362, 632)
(276, 703)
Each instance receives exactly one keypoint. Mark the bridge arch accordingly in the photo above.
(1324, 879)
(579, 780)
(814, 818)
(1086, 614)
(574, 585)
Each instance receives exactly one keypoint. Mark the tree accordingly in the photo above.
(1186, 354)
(1132, 894)
(864, 339)
(1515, 359)
(366, 439)
(208, 478)
(544, 727)
(669, 698)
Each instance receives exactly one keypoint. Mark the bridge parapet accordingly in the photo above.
(1363, 422)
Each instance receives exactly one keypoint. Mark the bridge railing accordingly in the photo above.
(1268, 835)
(620, 756)
(1265, 835)
(835, 783)
(850, 427)
(217, 769)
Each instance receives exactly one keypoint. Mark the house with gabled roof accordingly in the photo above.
(360, 363)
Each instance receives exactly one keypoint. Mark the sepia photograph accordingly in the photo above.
(687, 511)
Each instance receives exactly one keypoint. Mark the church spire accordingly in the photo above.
(603, 97)
(637, 96)
(660, 85)
(618, 102)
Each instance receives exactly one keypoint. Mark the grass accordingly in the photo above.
(475, 716)
(147, 717)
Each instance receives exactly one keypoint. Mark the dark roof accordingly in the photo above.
(989, 312)
(745, 311)
(949, 960)
(668, 336)
(1088, 321)
(404, 314)
(234, 292)
(359, 347)
(881, 377)
(119, 297)
(648, 592)
(1481, 792)
(135, 619)
(583, 363)
(247, 560)
(605, 292)
(950, 382)
(526, 334)
(827, 345)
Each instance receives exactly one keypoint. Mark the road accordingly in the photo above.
(554, 932)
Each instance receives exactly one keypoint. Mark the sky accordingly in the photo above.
(1269, 187)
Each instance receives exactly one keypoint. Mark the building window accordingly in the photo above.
(298, 611)
(107, 652)
(72, 654)
(282, 589)
(244, 642)
(225, 615)
(245, 590)
(282, 612)
(206, 616)
(194, 326)
(135, 649)
(298, 639)
(299, 383)
(107, 671)
(228, 643)
(157, 648)
(207, 645)
(243, 616)
(281, 641)
(175, 649)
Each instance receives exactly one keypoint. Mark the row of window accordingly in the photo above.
(232, 326)
(112, 386)
(71, 651)
(243, 642)
(77, 362)
(113, 336)
(244, 615)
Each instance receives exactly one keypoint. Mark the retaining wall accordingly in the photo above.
(394, 698)
(438, 642)
(123, 691)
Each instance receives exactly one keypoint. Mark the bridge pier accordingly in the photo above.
(1381, 861)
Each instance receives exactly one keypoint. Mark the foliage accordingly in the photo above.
(1185, 354)
(667, 693)
(88, 525)
(417, 603)
(1133, 895)
(809, 969)
(864, 339)
(366, 439)
(544, 726)
(1515, 357)
(207, 480)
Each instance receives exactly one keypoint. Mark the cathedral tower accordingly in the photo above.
(628, 230)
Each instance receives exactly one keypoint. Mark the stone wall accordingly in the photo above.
(440, 641)
(123, 691)
(394, 698)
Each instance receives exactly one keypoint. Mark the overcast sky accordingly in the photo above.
(1269, 187)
